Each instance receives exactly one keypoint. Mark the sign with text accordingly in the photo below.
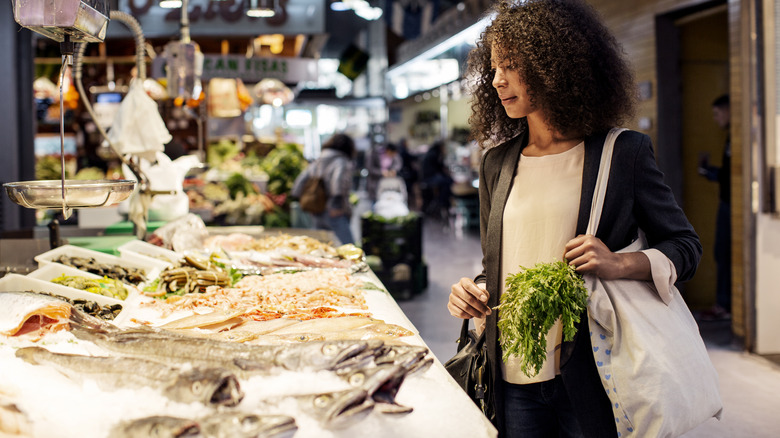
(251, 70)
(223, 19)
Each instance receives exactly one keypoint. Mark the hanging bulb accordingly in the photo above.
(170, 4)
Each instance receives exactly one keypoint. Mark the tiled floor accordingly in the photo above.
(750, 385)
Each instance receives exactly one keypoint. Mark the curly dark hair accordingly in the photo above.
(341, 142)
(570, 63)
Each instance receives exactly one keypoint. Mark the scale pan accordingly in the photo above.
(78, 193)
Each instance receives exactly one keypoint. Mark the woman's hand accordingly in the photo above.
(468, 300)
(589, 255)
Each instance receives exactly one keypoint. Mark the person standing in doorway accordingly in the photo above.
(721, 114)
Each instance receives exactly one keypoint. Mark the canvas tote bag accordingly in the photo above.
(650, 356)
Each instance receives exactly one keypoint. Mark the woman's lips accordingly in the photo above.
(506, 100)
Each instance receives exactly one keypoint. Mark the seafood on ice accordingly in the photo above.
(32, 313)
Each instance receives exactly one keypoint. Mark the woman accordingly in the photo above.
(550, 83)
(335, 167)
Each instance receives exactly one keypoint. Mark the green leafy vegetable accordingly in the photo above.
(534, 299)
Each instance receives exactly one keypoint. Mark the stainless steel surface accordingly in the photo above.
(78, 194)
(81, 20)
(17, 255)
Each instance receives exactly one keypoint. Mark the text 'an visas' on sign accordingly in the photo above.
(287, 70)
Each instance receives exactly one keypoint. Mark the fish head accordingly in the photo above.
(400, 353)
(157, 427)
(85, 321)
(385, 379)
(210, 386)
(246, 425)
(325, 355)
(30, 354)
(340, 409)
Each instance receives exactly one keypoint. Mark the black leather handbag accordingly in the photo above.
(471, 369)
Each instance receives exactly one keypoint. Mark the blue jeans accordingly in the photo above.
(539, 410)
(341, 228)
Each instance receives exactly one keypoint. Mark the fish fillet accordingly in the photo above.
(22, 312)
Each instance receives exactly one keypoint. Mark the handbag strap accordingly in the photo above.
(601, 181)
(464, 335)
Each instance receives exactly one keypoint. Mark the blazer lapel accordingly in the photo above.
(496, 218)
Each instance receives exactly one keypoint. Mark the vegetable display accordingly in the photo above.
(533, 301)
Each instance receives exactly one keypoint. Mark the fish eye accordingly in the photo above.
(196, 387)
(357, 379)
(321, 400)
(330, 349)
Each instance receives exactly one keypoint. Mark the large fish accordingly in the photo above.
(231, 424)
(210, 386)
(239, 358)
(333, 410)
(219, 425)
(30, 312)
(158, 426)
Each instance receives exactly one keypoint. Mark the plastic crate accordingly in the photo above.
(394, 242)
(403, 280)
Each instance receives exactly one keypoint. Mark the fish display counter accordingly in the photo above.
(282, 336)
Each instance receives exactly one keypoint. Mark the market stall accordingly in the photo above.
(302, 340)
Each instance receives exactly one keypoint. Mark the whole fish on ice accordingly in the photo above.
(247, 425)
(333, 410)
(210, 386)
(219, 425)
(158, 426)
(239, 358)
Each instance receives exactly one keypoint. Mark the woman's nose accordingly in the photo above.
(498, 79)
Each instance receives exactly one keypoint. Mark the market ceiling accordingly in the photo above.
(327, 33)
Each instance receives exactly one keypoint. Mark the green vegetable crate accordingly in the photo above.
(397, 242)
(404, 281)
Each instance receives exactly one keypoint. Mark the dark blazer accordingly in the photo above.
(636, 197)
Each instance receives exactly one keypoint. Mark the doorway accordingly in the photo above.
(693, 59)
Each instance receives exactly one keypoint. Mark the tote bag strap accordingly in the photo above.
(601, 181)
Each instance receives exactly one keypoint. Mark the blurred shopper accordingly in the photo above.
(335, 167)
(436, 183)
(721, 114)
(550, 83)
(381, 162)
(408, 172)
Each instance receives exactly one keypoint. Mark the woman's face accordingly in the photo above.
(511, 89)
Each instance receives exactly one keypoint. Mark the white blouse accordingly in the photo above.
(540, 217)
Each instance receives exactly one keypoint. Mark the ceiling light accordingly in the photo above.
(261, 8)
(361, 8)
(339, 6)
(170, 4)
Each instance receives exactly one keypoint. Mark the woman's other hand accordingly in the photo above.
(468, 300)
(589, 255)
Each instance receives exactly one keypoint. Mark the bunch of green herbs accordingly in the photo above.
(534, 299)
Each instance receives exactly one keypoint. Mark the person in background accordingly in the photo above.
(436, 183)
(335, 167)
(382, 162)
(550, 83)
(721, 114)
(408, 172)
